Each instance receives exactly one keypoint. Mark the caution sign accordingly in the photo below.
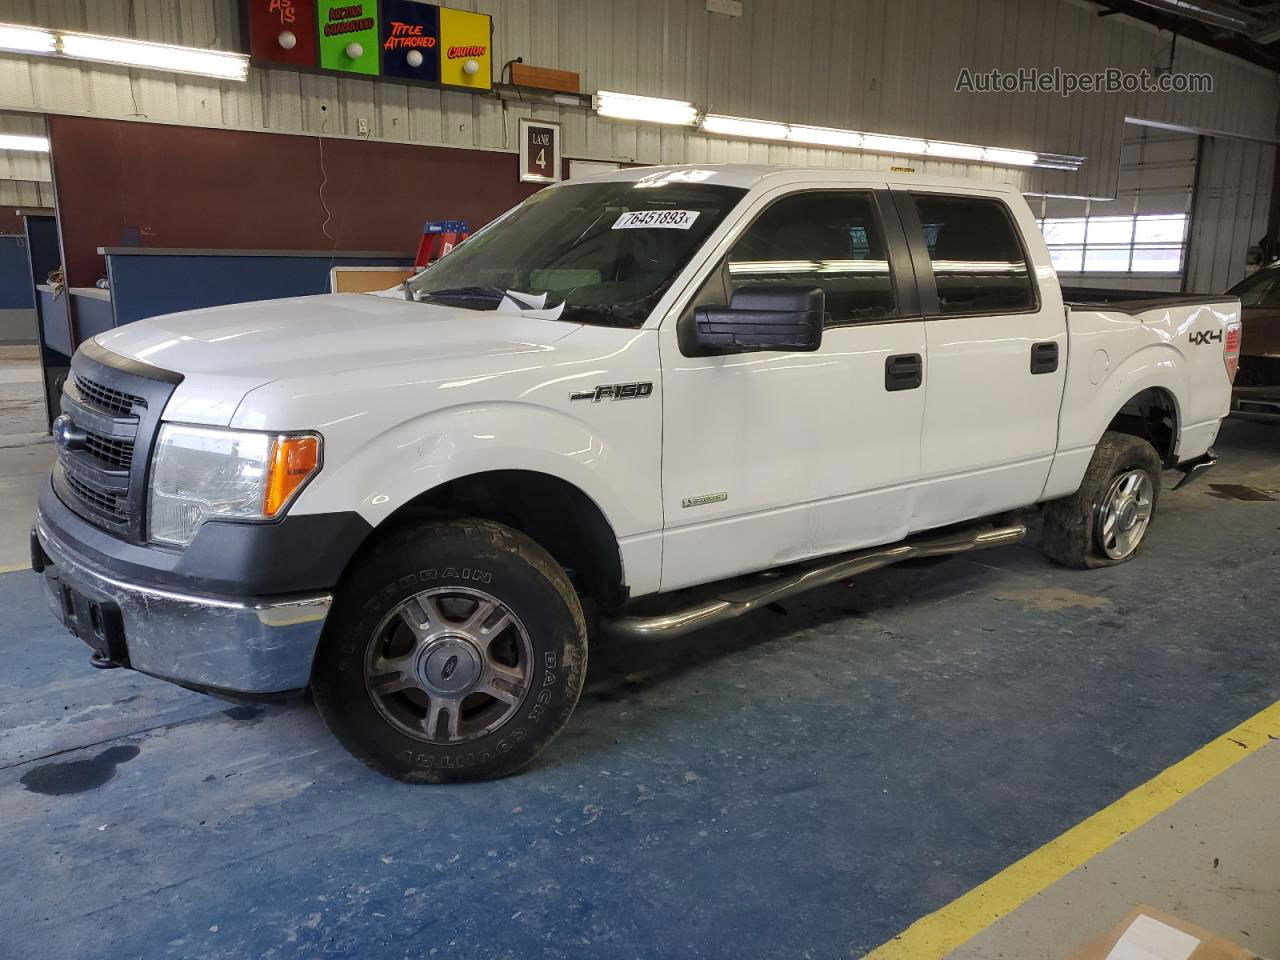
(349, 36)
(465, 49)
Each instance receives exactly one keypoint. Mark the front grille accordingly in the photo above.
(113, 452)
(108, 398)
(112, 407)
(114, 506)
(1258, 372)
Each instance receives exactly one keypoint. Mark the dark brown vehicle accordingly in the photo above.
(1257, 385)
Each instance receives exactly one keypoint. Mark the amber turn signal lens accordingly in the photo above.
(293, 460)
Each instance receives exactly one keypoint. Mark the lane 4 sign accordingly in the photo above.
(540, 160)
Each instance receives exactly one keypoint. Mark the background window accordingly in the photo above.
(824, 239)
(978, 263)
(1141, 244)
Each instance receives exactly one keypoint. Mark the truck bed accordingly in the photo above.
(1135, 301)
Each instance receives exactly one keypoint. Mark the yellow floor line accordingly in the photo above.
(21, 566)
(937, 934)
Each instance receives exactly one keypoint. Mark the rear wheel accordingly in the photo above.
(456, 651)
(1106, 521)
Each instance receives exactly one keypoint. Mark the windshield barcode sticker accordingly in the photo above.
(670, 219)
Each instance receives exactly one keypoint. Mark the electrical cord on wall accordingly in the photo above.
(328, 214)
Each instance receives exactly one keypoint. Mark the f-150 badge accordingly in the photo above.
(615, 391)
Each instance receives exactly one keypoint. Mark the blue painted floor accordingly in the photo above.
(802, 784)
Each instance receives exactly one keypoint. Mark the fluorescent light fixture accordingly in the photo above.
(826, 136)
(743, 127)
(625, 106)
(124, 52)
(883, 144)
(27, 142)
(27, 39)
(955, 151)
(154, 56)
(1013, 158)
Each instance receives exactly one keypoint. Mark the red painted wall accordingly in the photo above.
(10, 222)
(121, 183)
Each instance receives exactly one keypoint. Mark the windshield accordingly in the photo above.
(601, 253)
(1261, 289)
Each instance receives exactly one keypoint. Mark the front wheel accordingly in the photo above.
(455, 651)
(1105, 522)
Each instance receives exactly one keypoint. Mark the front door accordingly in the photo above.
(774, 457)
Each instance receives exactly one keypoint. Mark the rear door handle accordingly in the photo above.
(903, 372)
(1044, 357)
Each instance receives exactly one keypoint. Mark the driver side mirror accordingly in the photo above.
(762, 318)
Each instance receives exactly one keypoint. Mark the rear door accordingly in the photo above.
(773, 457)
(995, 329)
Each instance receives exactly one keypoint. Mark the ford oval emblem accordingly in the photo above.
(450, 665)
(65, 434)
(62, 432)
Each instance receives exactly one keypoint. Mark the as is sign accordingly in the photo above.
(540, 160)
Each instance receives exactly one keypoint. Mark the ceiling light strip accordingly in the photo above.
(121, 51)
(625, 106)
(25, 142)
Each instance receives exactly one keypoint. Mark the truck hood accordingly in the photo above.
(237, 348)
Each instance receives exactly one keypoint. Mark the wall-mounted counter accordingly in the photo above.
(148, 282)
(17, 305)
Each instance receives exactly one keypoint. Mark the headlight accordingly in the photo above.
(204, 473)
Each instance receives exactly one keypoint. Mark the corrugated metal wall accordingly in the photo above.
(1233, 197)
(24, 176)
(883, 65)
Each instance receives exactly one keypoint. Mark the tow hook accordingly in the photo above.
(101, 662)
(1194, 468)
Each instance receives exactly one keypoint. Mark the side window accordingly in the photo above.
(828, 239)
(978, 262)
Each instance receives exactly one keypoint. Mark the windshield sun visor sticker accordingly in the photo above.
(666, 219)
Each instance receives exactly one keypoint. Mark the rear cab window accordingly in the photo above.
(978, 262)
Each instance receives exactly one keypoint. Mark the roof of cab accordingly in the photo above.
(748, 175)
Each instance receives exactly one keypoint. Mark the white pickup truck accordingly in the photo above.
(722, 384)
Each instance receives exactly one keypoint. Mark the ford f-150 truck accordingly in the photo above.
(704, 388)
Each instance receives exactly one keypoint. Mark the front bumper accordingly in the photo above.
(249, 647)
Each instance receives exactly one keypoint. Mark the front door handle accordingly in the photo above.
(1044, 357)
(903, 372)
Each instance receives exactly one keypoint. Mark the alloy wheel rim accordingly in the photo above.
(1123, 515)
(449, 665)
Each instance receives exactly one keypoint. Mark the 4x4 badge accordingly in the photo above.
(615, 391)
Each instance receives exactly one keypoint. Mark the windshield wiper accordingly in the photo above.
(494, 294)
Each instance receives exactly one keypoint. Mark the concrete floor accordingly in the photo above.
(804, 784)
(25, 451)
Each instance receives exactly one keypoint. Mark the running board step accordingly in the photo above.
(742, 596)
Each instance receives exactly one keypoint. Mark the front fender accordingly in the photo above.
(377, 475)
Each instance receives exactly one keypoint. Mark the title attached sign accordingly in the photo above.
(539, 151)
(411, 40)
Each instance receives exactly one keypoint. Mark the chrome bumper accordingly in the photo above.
(235, 646)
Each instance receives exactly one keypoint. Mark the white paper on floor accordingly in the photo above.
(1149, 939)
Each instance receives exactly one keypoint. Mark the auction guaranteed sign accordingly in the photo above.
(349, 27)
